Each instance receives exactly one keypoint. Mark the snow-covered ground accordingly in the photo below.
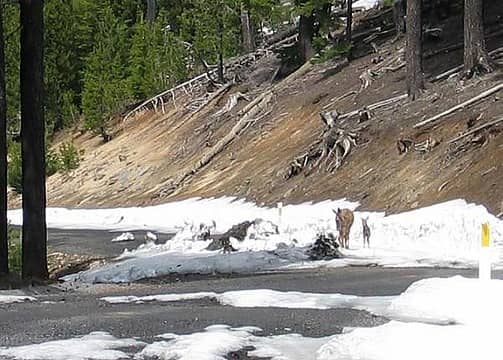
(453, 318)
(446, 235)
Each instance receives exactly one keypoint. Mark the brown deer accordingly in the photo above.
(366, 232)
(344, 220)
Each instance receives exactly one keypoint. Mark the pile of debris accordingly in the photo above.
(325, 247)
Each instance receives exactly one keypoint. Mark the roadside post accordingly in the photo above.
(485, 253)
(280, 215)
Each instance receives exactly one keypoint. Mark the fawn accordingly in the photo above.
(366, 232)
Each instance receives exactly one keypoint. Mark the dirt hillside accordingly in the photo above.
(150, 151)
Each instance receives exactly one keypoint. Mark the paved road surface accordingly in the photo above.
(95, 242)
(79, 311)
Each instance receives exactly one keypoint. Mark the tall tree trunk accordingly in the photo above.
(151, 10)
(476, 58)
(221, 78)
(414, 50)
(399, 8)
(349, 26)
(4, 246)
(247, 28)
(32, 135)
(306, 33)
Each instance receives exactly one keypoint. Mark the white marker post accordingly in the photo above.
(280, 215)
(485, 254)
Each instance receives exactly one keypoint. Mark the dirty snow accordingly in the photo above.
(10, 299)
(94, 346)
(446, 235)
(126, 236)
(438, 318)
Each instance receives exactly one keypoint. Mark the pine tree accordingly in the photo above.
(476, 58)
(414, 49)
(4, 245)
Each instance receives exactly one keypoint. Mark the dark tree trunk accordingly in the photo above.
(399, 7)
(247, 28)
(414, 50)
(221, 78)
(4, 246)
(476, 58)
(349, 24)
(32, 137)
(306, 33)
(151, 10)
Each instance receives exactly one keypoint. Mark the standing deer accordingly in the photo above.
(344, 220)
(366, 232)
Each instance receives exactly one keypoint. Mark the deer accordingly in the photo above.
(344, 220)
(366, 232)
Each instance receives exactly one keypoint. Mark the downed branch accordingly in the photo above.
(469, 102)
(231, 103)
(247, 113)
(476, 129)
(208, 98)
(333, 147)
(374, 106)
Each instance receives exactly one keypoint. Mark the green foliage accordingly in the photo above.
(106, 88)
(330, 52)
(15, 254)
(68, 157)
(14, 168)
(388, 2)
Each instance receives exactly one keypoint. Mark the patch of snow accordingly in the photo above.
(414, 341)
(446, 234)
(126, 236)
(270, 298)
(218, 340)
(95, 346)
(366, 4)
(150, 236)
(11, 299)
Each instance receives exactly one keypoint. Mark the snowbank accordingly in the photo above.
(10, 299)
(96, 345)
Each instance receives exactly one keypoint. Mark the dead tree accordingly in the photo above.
(476, 58)
(246, 27)
(33, 138)
(306, 33)
(4, 246)
(414, 50)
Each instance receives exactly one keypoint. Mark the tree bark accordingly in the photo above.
(414, 50)
(476, 58)
(151, 11)
(306, 33)
(247, 28)
(399, 7)
(32, 137)
(4, 246)
(349, 19)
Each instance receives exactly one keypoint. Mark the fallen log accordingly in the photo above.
(469, 102)
(374, 106)
(474, 130)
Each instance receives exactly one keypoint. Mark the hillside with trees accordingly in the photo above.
(150, 101)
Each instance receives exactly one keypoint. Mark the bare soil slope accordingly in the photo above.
(149, 152)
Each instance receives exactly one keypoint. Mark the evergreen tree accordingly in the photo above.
(106, 87)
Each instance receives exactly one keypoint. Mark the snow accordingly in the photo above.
(438, 318)
(94, 346)
(446, 235)
(367, 4)
(218, 340)
(270, 298)
(126, 236)
(444, 318)
(10, 297)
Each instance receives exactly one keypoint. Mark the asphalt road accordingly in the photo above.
(95, 242)
(64, 311)
(61, 313)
